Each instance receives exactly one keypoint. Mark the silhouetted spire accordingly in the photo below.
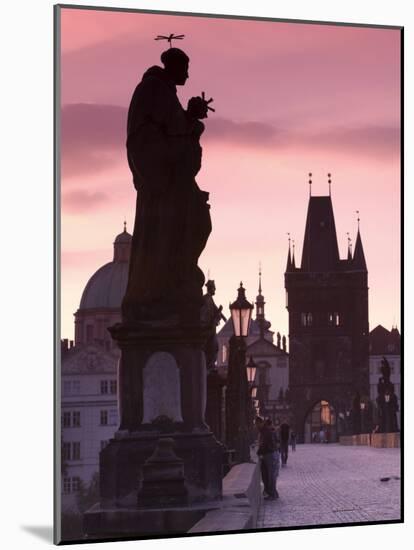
(329, 183)
(359, 262)
(260, 302)
(349, 248)
(289, 258)
(293, 256)
(320, 247)
(260, 278)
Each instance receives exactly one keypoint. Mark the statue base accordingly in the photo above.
(162, 394)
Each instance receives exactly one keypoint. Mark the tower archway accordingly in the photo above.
(321, 423)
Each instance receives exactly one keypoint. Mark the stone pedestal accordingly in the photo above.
(215, 411)
(162, 394)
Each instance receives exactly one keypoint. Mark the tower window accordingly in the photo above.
(333, 319)
(306, 319)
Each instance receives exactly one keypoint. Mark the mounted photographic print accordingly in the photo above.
(228, 354)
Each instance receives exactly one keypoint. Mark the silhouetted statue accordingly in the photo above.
(211, 315)
(172, 221)
(387, 401)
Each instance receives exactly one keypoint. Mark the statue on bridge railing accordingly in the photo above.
(387, 402)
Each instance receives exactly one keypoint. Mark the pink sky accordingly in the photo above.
(290, 99)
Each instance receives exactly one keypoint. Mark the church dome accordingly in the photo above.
(107, 286)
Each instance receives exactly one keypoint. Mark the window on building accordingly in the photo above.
(76, 419)
(333, 319)
(75, 484)
(75, 387)
(104, 418)
(75, 450)
(66, 420)
(71, 485)
(113, 417)
(306, 319)
(67, 387)
(104, 386)
(66, 485)
(66, 451)
(113, 386)
(391, 347)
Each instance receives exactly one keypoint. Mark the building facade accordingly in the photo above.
(327, 302)
(89, 409)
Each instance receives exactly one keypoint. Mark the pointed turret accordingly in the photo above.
(260, 301)
(289, 257)
(293, 257)
(359, 262)
(349, 257)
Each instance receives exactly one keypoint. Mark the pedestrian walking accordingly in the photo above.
(293, 440)
(268, 453)
(284, 442)
(321, 435)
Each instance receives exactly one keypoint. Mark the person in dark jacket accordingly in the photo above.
(268, 452)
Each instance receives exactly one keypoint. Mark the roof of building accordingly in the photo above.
(384, 342)
(90, 359)
(106, 287)
(263, 347)
(320, 245)
(254, 328)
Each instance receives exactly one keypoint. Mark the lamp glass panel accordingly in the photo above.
(245, 319)
(235, 315)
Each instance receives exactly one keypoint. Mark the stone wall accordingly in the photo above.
(240, 505)
(389, 440)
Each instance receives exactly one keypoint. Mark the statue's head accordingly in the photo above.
(211, 287)
(176, 64)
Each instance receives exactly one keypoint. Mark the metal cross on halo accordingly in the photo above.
(170, 37)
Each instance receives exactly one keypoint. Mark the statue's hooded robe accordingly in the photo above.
(172, 220)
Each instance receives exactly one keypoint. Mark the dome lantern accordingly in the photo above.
(122, 246)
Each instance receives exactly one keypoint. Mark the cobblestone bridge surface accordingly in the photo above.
(330, 483)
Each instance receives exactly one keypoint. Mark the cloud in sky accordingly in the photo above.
(93, 139)
(80, 201)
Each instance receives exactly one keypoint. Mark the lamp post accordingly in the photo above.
(251, 374)
(238, 400)
(362, 405)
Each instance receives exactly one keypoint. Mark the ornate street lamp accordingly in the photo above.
(241, 312)
(238, 399)
(251, 370)
(254, 391)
